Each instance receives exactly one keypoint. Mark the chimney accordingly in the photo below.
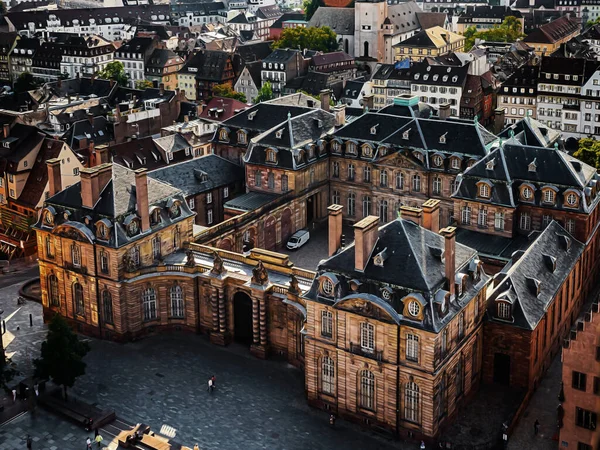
(431, 215)
(340, 115)
(92, 153)
(54, 178)
(415, 215)
(200, 108)
(365, 237)
(532, 3)
(141, 196)
(325, 96)
(90, 117)
(186, 118)
(444, 111)
(161, 89)
(499, 119)
(92, 78)
(102, 155)
(104, 175)
(449, 234)
(335, 228)
(6, 130)
(368, 102)
(90, 191)
(83, 143)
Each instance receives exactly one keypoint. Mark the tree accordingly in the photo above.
(62, 355)
(264, 93)
(589, 152)
(591, 23)
(25, 83)
(312, 38)
(115, 71)
(225, 90)
(508, 31)
(144, 84)
(310, 7)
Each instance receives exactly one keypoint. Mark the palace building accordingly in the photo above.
(394, 323)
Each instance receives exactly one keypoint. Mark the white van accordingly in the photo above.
(298, 239)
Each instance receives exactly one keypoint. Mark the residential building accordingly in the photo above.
(204, 70)
(578, 412)
(194, 14)
(548, 37)
(518, 94)
(134, 55)
(394, 334)
(389, 82)
(8, 41)
(249, 82)
(592, 37)
(285, 21)
(338, 66)
(162, 68)
(83, 55)
(484, 18)
(282, 66)
(220, 109)
(432, 42)
(21, 57)
(354, 93)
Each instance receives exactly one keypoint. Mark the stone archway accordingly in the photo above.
(242, 318)
(270, 233)
(286, 225)
(226, 244)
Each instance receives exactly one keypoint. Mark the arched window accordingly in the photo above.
(383, 211)
(176, 294)
(411, 402)
(549, 196)
(257, 178)
(437, 185)
(367, 174)
(366, 205)
(78, 299)
(223, 135)
(327, 376)
(149, 303)
(107, 309)
(335, 197)
(76, 255)
(366, 49)
(465, 215)
(484, 190)
(49, 248)
(399, 180)
(366, 396)
(103, 261)
(271, 180)
(416, 183)
(53, 290)
(351, 204)
(383, 178)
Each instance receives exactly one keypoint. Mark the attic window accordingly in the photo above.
(279, 133)
(367, 150)
(532, 165)
(490, 164)
(550, 262)
(223, 135)
(252, 115)
(503, 310)
(406, 135)
(374, 129)
(271, 155)
(443, 138)
(241, 136)
(380, 258)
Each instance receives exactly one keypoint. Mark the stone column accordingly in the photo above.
(255, 321)
(263, 323)
(215, 310)
(222, 313)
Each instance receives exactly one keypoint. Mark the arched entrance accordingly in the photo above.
(270, 233)
(242, 318)
(366, 50)
(225, 244)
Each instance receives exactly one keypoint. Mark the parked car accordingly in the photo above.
(298, 239)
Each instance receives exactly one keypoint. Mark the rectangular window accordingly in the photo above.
(412, 347)
(499, 221)
(209, 216)
(582, 446)
(596, 386)
(525, 223)
(226, 192)
(367, 337)
(579, 381)
(209, 197)
(585, 419)
(156, 247)
(444, 343)
(192, 203)
(326, 324)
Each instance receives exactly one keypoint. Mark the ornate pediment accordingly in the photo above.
(368, 308)
(398, 160)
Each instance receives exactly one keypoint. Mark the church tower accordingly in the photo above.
(368, 30)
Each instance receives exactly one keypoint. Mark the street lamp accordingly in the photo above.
(1, 336)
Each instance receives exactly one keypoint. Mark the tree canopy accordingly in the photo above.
(589, 152)
(144, 84)
(310, 7)
(61, 355)
(225, 90)
(264, 93)
(312, 38)
(25, 82)
(115, 71)
(508, 31)
(591, 23)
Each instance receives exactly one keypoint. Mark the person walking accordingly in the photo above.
(88, 444)
(536, 427)
(422, 445)
(14, 393)
(210, 385)
(36, 388)
(214, 380)
(29, 442)
(98, 439)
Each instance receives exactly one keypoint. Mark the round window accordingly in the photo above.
(327, 286)
(527, 193)
(414, 308)
(386, 294)
(572, 199)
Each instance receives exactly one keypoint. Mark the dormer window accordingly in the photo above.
(133, 228)
(271, 155)
(175, 210)
(279, 133)
(503, 310)
(311, 152)
(223, 135)
(490, 164)
(102, 231)
(437, 160)
(406, 135)
(351, 148)
(455, 163)
(241, 137)
(549, 196)
(336, 146)
(527, 193)
(572, 199)
(532, 166)
(155, 215)
(326, 287)
(484, 190)
(48, 218)
(414, 308)
(367, 151)
(443, 138)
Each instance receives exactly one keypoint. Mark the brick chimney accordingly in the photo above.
(365, 237)
(141, 196)
(161, 89)
(325, 96)
(335, 228)
(104, 175)
(368, 102)
(449, 234)
(6, 130)
(54, 177)
(92, 153)
(499, 119)
(93, 182)
(102, 155)
(415, 215)
(340, 115)
(431, 215)
(444, 111)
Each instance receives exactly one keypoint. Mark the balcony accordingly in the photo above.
(356, 349)
(79, 269)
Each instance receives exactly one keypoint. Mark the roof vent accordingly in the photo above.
(279, 133)
(374, 129)
(443, 138)
(533, 285)
(533, 165)
(490, 164)
(550, 262)
(406, 135)
(565, 241)
(436, 252)
(200, 175)
(252, 115)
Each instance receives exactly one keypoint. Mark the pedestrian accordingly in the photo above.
(98, 439)
(422, 445)
(36, 388)
(29, 442)
(536, 427)
(88, 444)
(210, 385)
(332, 420)
(214, 380)
(14, 393)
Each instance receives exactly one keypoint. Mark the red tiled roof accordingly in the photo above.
(221, 108)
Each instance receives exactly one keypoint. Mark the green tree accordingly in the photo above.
(62, 355)
(144, 84)
(589, 152)
(264, 93)
(321, 39)
(591, 23)
(25, 83)
(115, 71)
(310, 7)
(508, 31)
(225, 90)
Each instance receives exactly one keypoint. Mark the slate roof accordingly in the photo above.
(403, 15)
(340, 20)
(117, 202)
(161, 58)
(553, 32)
(250, 201)
(209, 65)
(281, 55)
(487, 12)
(254, 51)
(431, 19)
(531, 132)
(524, 77)
(268, 12)
(100, 131)
(331, 58)
(546, 263)
(353, 89)
(592, 32)
(430, 38)
(491, 245)
(433, 74)
(278, 24)
(81, 87)
(187, 175)
(139, 153)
